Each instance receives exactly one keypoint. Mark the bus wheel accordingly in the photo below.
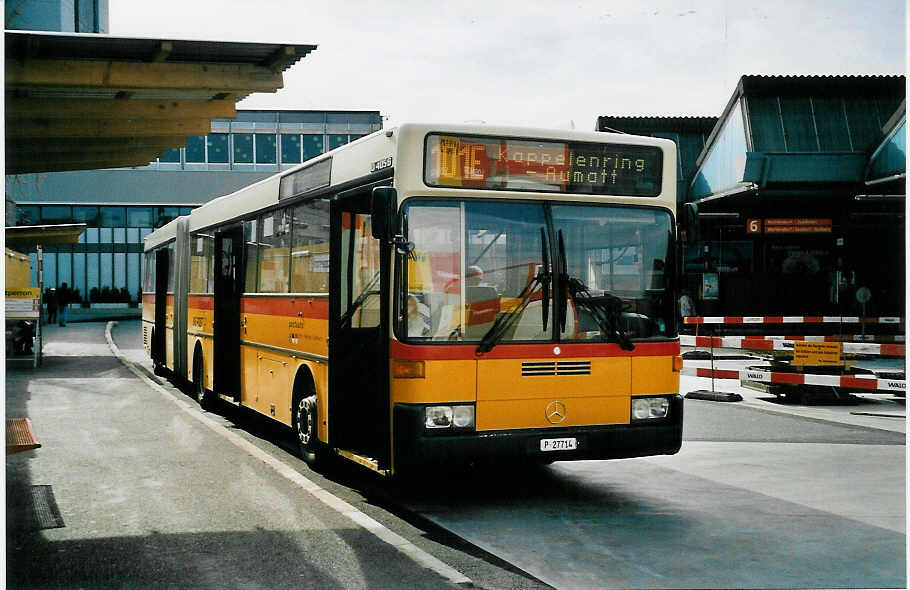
(202, 396)
(305, 421)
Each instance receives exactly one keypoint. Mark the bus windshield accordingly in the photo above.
(476, 260)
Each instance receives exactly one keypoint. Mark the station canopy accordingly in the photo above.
(88, 101)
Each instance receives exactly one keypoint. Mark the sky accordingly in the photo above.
(549, 63)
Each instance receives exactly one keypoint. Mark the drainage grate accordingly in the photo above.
(47, 515)
(551, 368)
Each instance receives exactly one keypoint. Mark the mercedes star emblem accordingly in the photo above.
(555, 412)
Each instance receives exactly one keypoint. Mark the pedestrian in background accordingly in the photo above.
(63, 299)
(52, 306)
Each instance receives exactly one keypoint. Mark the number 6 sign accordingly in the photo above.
(753, 226)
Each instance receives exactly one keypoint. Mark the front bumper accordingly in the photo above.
(415, 447)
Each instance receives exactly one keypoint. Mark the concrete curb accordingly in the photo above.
(714, 396)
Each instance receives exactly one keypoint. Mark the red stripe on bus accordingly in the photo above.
(200, 302)
(402, 351)
(287, 306)
(776, 319)
(733, 319)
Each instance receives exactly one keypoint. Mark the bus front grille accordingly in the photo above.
(553, 368)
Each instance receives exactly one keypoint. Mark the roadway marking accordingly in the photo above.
(374, 527)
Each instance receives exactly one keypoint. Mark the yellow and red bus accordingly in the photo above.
(437, 293)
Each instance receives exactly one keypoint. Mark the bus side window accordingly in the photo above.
(274, 252)
(251, 249)
(310, 248)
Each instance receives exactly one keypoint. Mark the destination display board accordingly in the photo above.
(501, 163)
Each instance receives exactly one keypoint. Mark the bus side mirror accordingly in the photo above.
(383, 213)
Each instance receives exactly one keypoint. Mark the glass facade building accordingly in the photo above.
(120, 207)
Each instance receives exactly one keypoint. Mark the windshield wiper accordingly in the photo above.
(504, 321)
(605, 309)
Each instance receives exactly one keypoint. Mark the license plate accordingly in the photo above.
(558, 444)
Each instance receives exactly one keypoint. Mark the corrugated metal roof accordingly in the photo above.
(48, 45)
(818, 84)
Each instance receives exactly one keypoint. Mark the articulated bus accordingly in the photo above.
(436, 294)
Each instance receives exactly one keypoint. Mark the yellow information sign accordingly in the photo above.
(816, 353)
(22, 304)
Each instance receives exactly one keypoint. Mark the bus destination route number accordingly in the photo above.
(558, 444)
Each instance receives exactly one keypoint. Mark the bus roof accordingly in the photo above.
(354, 160)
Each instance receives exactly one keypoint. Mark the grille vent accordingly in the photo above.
(553, 368)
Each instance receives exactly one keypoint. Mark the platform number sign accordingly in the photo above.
(753, 226)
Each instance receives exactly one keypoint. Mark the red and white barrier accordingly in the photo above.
(879, 338)
(795, 319)
(782, 344)
(870, 383)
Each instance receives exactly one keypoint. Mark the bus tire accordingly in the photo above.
(305, 427)
(204, 397)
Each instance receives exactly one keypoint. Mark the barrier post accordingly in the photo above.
(714, 395)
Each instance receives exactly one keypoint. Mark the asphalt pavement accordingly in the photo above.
(134, 487)
(152, 492)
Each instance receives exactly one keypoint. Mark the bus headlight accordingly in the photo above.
(437, 417)
(463, 417)
(645, 408)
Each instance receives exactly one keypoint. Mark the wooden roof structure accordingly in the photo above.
(88, 101)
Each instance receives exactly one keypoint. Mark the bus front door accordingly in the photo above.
(228, 288)
(159, 350)
(359, 412)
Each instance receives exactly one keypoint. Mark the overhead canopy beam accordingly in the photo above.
(19, 128)
(62, 74)
(35, 146)
(80, 108)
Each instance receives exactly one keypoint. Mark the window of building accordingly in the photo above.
(243, 148)
(313, 145)
(195, 148)
(251, 248)
(56, 214)
(171, 155)
(302, 117)
(140, 217)
(310, 248)
(28, 215)
(112, 216)
(165, 214)
(265, 149)
(218, 148)
(87, 215)
(257, 116)
(336, 141)
(290, 148)
(274, 252)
